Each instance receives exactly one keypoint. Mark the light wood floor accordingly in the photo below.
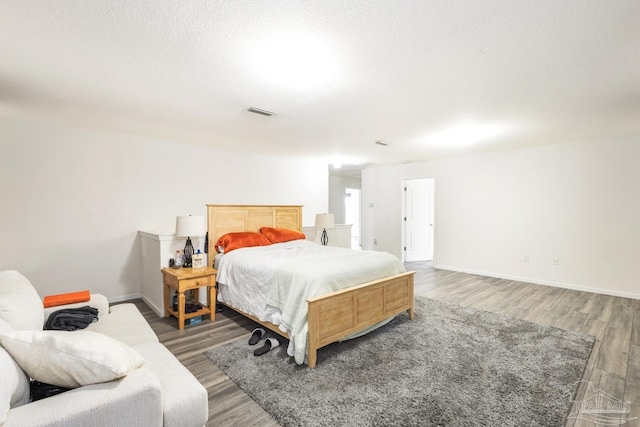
(614, 365)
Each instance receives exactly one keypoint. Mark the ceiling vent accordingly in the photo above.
(260, 111)
(383, 143)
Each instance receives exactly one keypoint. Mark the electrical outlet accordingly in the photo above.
(556, 261)
(525, 258)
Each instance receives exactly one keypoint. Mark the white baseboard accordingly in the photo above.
(124, 298)
(158, 310)
(543, 282)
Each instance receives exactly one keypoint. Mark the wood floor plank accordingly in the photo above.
(613, 352)
(635, 332)
(573, 321)
(634, 355)
(525, 297)
(535, 312)
(632, 393)
(586, 301)
(602, 308)
(594, 327)
(613, 321)
(622, 314)
(609, 383)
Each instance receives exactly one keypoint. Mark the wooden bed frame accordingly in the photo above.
(333, 316)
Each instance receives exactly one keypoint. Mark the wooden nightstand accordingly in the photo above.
(184, 279)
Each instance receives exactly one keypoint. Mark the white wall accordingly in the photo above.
(381, 211)
(576, 201)
(73, 199)
(337, 187)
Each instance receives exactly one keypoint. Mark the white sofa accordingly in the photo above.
(159, 392)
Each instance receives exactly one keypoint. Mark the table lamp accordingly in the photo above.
(187, 226)
(324, 221)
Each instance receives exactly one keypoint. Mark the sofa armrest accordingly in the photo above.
(97, 301)
(134, 400)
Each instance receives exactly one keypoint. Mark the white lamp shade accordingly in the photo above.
(324, 221)
(189, 226)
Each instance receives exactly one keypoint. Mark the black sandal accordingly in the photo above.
(256, 335)
(269, 344)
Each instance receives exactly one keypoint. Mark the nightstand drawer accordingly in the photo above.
(196, 283)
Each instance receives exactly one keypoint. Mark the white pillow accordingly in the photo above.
(14, 385)
(5, 327)
(20, 305)
(71, 359)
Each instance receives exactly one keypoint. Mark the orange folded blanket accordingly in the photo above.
(68, 298)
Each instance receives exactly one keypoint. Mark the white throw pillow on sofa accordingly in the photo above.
(20, 304)
(71, 359)
(14, 384)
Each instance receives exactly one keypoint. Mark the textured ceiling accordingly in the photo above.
(433, 78)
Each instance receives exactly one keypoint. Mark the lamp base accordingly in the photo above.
(188, 251)
(325, 238)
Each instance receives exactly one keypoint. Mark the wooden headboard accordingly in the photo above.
(223, 219)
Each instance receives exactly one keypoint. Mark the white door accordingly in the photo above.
(418, 220)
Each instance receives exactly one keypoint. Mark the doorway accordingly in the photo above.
(352, 215)
(418, 219)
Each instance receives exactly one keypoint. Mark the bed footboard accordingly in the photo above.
(339, 314)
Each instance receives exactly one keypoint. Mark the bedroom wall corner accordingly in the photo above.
(78, 197)
(568, 201)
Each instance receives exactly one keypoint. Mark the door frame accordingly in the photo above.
(404, 214)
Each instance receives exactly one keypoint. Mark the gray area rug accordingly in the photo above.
(450, 366)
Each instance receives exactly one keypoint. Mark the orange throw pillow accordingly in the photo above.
(241, 239)
(68, 298)
(279, 235)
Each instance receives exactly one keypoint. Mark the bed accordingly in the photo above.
(332, 316)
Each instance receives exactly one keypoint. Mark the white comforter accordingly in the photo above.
(274, 282)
